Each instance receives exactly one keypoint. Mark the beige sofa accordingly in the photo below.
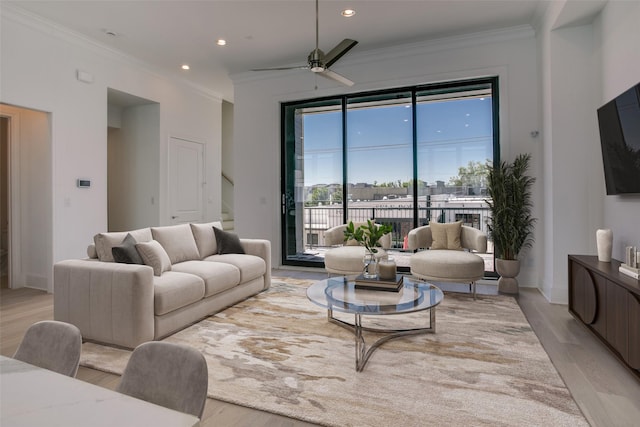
(186, 280)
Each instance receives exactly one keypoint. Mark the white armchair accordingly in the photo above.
(448, 265)
(347, 258)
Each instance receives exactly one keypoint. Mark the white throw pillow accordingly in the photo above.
(446, 236)
(205, 238)
(154, 255)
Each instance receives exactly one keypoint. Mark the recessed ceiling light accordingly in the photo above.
(348, 13)
(185, 67)
(221, 42)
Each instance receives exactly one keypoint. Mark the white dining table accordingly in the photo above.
(32, 396)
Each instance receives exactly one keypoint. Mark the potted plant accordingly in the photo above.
(369, 236)
(511, 223)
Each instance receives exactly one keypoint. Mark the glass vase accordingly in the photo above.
(370, 270)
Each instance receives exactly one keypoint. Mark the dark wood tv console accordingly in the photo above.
(608, 303)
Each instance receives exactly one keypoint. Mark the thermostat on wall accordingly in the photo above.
(83, 183)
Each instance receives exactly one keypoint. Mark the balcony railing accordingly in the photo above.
(319, 219)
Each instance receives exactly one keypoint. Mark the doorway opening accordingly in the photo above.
(133, 161)
(26, 198)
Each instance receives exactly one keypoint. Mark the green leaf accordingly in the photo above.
(368, 235)
(511, 224)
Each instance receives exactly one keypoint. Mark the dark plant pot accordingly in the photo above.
(508, 270)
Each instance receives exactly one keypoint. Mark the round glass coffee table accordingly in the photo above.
(340, 294)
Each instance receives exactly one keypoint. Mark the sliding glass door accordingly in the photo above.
(456, 144)
(379, 160)
(403, 157)
(312, 175)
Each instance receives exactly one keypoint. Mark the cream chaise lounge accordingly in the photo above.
(190, 271)
(449, 258)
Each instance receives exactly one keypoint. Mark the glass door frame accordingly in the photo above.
(288, 201)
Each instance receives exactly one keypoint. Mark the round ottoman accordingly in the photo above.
(347, 260)
(448, 266)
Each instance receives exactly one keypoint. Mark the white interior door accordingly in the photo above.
(186, 180)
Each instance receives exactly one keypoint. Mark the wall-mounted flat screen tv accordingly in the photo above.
(619, 121)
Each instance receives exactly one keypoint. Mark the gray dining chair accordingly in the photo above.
(52, 345)
(171, 375)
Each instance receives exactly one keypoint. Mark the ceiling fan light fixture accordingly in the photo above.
(316, 67)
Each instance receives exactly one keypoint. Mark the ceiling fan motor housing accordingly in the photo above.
(315, 60)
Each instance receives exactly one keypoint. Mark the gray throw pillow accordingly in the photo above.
(126, 251)
(228, 243)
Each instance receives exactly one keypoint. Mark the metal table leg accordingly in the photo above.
(362, 353)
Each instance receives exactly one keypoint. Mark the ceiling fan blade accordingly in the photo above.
(337, 77)
(297, 67)
(337, 52)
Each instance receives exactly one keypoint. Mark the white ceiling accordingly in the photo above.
(266, 33)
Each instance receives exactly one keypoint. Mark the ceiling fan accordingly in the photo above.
(319, 62)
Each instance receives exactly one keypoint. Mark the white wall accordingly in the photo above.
(583, 64)
(618, 51)
(38, 70)
(573, 186)
(511, 55)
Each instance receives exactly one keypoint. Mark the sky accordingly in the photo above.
(379, 142)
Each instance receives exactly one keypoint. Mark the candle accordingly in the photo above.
(387, 269)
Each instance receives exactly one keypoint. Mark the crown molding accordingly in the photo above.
(38, 23)
(424, 47)
(447, 43)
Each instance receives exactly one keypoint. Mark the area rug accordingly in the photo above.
(277, 352)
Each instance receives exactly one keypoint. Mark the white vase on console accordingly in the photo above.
(604, 243)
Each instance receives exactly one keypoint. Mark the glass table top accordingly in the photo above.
(340, 294)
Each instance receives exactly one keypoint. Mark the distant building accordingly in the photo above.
(394, 206)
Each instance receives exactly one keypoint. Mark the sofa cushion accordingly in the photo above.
(206, 238)
(178, 241)
(154, 255)
(91, 251)
(174, 290)
(228, 243)
(250, 266)
(446, 236)
(105, 241)
(126, 251)
(217, 276)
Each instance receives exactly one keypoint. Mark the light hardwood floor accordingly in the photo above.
(605, 391)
